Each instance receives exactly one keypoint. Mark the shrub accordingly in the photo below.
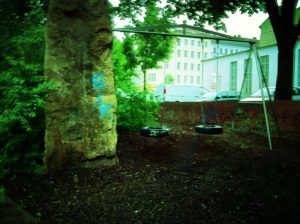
(136, 110)
(22, 89)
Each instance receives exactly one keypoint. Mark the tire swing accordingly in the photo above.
(209, 129)
(155, 132)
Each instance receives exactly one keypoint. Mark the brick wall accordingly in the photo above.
(247, 115)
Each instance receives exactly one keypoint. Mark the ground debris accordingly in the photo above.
(183, 178)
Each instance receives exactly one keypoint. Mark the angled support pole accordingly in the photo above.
(261, 81)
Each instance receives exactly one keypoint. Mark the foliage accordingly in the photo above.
(2, 190)
(149, 50)
(152, 49)
(135, 108)
(21, 96)
(212, 11)
(124, 64)
(169, 79)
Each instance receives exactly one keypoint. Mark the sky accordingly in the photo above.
(244, 25)
(237, 24)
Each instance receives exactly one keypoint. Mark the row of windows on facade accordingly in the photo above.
(185, 66)
(248, 73)
(233, 75)
(192, 53)
(192, 42)
(226, 51)
(179, 79)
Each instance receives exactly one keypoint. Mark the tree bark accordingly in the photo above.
(81, 112)
(286, 33)
(145, 78)
(284, 84)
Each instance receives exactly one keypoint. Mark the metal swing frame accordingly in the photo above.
(207, 34)
(262, 83)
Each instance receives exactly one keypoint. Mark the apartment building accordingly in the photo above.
(186, 62)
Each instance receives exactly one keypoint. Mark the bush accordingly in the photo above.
(136, 110)
(22, 90)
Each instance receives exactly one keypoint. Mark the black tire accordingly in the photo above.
(209, 129)
(155, 132)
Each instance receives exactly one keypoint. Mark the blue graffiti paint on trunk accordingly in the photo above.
(100, 87)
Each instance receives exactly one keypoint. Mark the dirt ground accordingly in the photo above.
(182, 178)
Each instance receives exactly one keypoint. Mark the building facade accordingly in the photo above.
(223, 65)
(229, 72)
(186, 62)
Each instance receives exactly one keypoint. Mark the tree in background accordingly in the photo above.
(135, 108)
(149, 50)
(169, 79)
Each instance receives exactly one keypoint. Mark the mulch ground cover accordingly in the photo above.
(182, 178)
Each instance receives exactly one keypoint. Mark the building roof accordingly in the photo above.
(267, 36)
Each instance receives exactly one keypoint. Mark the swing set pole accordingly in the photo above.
(259, 70)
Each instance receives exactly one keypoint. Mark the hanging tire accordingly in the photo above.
(209, 129)
(155, 132)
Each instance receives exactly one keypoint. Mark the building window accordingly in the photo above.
(198, 54)
(221, 50)
(185, 42)
(215, 50)
(178, 79)
(152, 77)
(192, 79)
(265, 67)
(199, 43)
(192, 66)
(178, 65)
(192, 42)
(198, 67)
(185, 66)
(226, 51)
(185, 79)
(231, 51)
(166, 64)
(205, 55)
(248, 77)
(236, 51)
(192, 54)
(178, 42)
(233, 76)
(185, 54)
(178, 53)
(198, 80)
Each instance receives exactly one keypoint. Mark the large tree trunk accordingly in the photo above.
(81, 112)
(286, 32)
(284, 82)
